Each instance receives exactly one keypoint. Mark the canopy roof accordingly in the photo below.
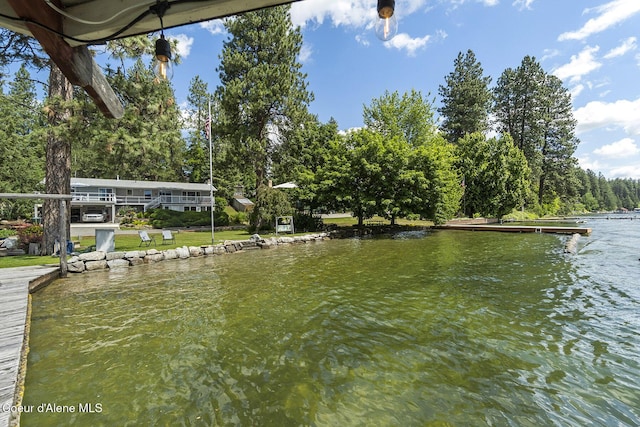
(64, 28)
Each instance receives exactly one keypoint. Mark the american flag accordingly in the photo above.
(207, 127)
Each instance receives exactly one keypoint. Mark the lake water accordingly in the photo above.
(443, 328)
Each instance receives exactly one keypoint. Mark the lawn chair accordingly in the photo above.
(144, 238)
(167, 237)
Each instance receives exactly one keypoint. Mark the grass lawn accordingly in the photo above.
(349, 221)
(130, 242)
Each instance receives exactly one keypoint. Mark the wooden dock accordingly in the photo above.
(15, 286)
(516, 228)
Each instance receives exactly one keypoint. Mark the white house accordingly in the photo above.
(107, 196)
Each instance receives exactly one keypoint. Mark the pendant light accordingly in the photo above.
(386, 24)
(163, 66)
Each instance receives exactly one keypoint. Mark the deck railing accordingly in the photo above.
(111, 198)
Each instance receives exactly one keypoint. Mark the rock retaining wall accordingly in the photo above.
(100, 260)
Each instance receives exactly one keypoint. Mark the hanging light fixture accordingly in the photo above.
(387, 23)
(163, 66)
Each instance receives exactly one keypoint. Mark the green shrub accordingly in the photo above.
(239, 218)
(7, 232)
(165, 218)
(31, 234)
(307, 222)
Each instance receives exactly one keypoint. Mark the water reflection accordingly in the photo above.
(448, 329)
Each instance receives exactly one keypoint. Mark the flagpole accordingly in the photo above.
(211, 199)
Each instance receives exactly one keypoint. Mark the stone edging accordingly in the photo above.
(100, 260)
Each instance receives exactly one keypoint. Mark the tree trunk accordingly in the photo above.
(58, 158)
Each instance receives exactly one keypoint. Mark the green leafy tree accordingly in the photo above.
(426, 183)
(495, 175)
(466, 98)
(263, 94)
(270, 203)
(299, 158)
(409, 116)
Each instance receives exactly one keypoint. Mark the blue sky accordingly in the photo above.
(592, 45)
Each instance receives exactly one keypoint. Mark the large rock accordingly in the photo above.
(136, 260)
(195, 251)
(170, 254)
(219, 249)
(95, 265)
(154, 257)
(135, 254)
(92, 256)
(115, 255)
(75, 267)
(183, 252)
(118, 263)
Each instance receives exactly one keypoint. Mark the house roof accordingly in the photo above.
(78, 183)
(64, 28)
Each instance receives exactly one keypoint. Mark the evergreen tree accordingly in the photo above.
(466, 98)
(559, 141)
(22, 148)
(146, 143)
(197, 156)
(535, 109)
(263, 94)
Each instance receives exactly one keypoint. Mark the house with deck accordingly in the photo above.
(98, 200)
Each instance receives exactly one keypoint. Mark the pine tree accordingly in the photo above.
(263, 94)
(535, 109)
(197, 156)
(22, 147)
(466, 98)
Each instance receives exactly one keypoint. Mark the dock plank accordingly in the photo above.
(516, 228)
(14, 303)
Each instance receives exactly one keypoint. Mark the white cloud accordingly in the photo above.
(184, 45)
(576, 90)
(624, 148)
(580, 65)
(550, 53)
(586, 163)
(488, 3)
(609, 14)
(215, 26)
(404, 42)
(305, 53)
(626, 46)
(619, 114)
(523, 4)
(362, 40)
(632, 172)
(349, 13)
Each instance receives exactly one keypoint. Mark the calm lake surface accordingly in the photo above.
(445, 328)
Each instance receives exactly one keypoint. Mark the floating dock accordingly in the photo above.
(516, 228)
(15, 286)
